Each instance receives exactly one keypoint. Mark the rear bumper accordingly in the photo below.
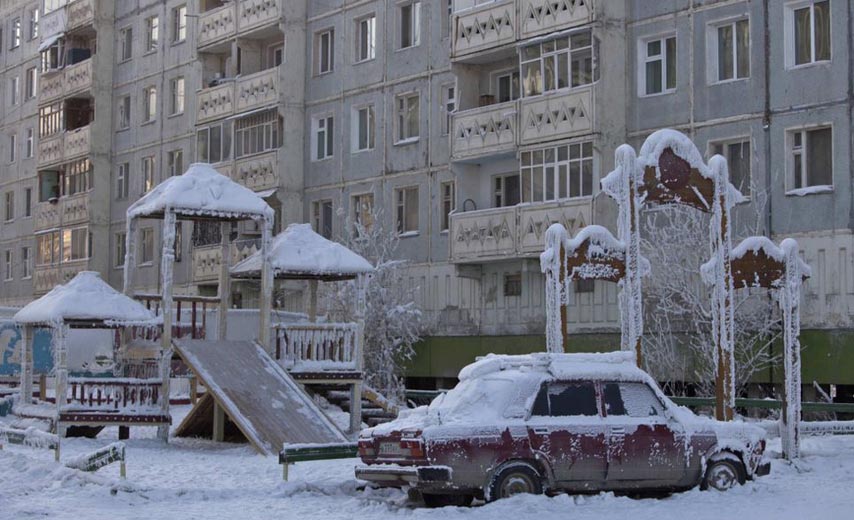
(390, 475)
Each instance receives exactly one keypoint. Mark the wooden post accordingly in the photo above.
(224, 280)
(312, 301)
(194, 389)
(266, 303)
(564, 320)
(167, 263)
(632, 275)
(356, 389)
(27, 338)
(61, 370)
(42, 387)
(724, 384)
(218, 422)
(789, 300)
(130, 255)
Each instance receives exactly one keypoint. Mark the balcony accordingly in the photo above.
(557, 115)
(484, 131)
(80, 13)
(207, 259)
(226, 22)
(64, 146)
(241, 95)
(66, 211)
(257, 172)
(46, 277)
(512, 232)
(484, 27)
(73, 79)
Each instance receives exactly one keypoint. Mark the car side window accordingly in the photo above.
(565, 399)
(631, 399)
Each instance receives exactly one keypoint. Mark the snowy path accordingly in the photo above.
(199, 479)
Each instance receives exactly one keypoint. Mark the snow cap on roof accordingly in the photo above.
(619, 366)
(298, 250)
(84, 297)
(201, 191)
(756, 244)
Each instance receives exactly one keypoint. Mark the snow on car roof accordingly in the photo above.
(619, 366)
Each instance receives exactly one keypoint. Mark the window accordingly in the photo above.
(555, 64)
(10, 206)
(366, 38)
(447, 19)
(125, 44)
(321, 211)
(566, 399)
(51, 120)
(53, 5)
(557, 173)
(28, 202)
(148, 174)
(16, 33)
(513, 284)
(410, 24)
(75, 244)
(407, 112)
(363, 211)
(8, 271)
(276, 54)
(584, 285)
(34, 23)
(124, 112)
(146, 250)
(257, 133)
(507, 86)
(122, 181)
(322, 131)
(47, 248)
(176, 105)
(406, 210)
(632, 400)
(324, 52)
(506, 190)
(52, 58)
(31, 79)
(363, 128)
(811, 157)
(26, 262)
(14, 90)
(78, 177)
(121, 250)
(152, 33)
(175, 162)
(30, 143)
(149, 104)
(658, 66)
(450, 101)
(13, 147)
(733, 50)
(213, 143)
(737, 154)
(179, 24)
(447, 190)
(49, 186)
(808, 30)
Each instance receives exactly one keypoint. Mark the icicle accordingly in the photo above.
(551, 261)
(790, 297)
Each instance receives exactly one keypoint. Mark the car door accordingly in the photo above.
(643, 442)
(565, 426)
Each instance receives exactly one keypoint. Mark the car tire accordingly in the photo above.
(723, 473)
(515, 479)
(441, 500)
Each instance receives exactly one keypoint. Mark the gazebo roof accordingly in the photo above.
(87, 300)
(300, 253)
(201, 192)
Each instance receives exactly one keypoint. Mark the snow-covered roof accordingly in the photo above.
(617, 366)
(756, 244)
(201, 192)
(86, 297)
(299, 252)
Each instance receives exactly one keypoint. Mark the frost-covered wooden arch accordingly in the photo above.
(758, 262)
(670, 170)
(200, 194)
(593, 254)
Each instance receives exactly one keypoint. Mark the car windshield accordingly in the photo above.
(488, 398)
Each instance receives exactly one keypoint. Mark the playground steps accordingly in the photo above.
(372, 412)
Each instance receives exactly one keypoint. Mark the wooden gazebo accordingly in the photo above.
(87, 302)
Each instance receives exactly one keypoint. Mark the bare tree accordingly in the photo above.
(678, 341)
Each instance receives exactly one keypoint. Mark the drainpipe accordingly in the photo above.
(766, 118)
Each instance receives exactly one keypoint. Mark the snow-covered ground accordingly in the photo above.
(189, 479)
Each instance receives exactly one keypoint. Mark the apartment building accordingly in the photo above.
(472, 125)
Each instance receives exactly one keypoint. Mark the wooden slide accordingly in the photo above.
(259, 397)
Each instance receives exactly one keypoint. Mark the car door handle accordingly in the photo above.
(541, 431)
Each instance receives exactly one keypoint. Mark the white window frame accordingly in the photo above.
(403, 228)
(414, 21)
(556, 163)
(318, 220)
(789, 34)
(125, 44)
(28, 202)
(121, 249)
(9, 206)
(26, 262)
(175, 162)
(713, 72)
(14, 90)
(152, 34)
(31, 143)
(320, 126)
(65, 247)
(355, 130)
(148, 166)
(495, 82)
(179, 24)
(502, 191)
(548, 52)
(146, 258)
(804, 152)
(328, 52)
(31, 83)
(16, 33)
(370, 21)
(123, 181)
(34, 23)
(445, 216)
(356, 201)
(13, 147)
(401, 112)
(644, 58)
(178, 93)
(124, 112)
(149, 104)
(9, 264)
(730, 141)
(449, 106)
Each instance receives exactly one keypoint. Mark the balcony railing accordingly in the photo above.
(78, 77)
(499, 128)
(257, 172)
(240, 95)
(65, 211)
(207, 259)
(64, 146)
(319, 347)
(80, 13)
(512, 232)
(46, 277)
(504, 22)
(232, 19)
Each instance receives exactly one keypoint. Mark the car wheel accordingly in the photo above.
(437, 500)
(516, 479)
(724, 474)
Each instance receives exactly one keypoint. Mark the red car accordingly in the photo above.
(545, 423)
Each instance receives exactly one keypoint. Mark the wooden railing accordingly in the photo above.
(194, 328)
(319, 346)
(113, 393)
